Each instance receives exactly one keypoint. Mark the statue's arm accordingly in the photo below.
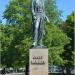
(33, 12)
(46, 18)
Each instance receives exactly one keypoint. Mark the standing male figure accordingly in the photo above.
(38, 17)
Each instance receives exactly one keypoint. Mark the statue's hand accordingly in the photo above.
(48, 20)
(44, 33)
(34, 17)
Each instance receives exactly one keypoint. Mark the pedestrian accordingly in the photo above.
(3, 71)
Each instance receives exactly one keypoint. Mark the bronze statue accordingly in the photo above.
(38, 18)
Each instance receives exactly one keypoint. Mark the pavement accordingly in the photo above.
(14, 74)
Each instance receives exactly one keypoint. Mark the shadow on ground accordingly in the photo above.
(60, 74)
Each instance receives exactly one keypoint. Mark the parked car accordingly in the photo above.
(73, 71)
(55, 69)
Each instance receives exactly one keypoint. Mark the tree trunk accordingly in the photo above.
(27, 70)
(68, 70)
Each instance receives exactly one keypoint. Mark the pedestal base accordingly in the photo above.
(38, 62)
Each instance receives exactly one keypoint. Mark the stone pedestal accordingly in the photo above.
(38, 62)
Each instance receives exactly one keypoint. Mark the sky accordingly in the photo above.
(67, 6)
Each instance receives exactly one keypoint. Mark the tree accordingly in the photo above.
(6, 38)
(14, 49)
(69, 53)
(18, 12)
(53, 12)
(55, 41)
(18, 16)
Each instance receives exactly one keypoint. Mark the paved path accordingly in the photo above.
(14, 74)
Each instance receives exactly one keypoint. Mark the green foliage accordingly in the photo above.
(15, 46)
(17, 38)
(18, 16)
(6, 38)
(69, 53)
(18, 12)
(52, 12)
(16, 50)
(55, 41)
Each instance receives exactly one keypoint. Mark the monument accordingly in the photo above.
(38, 54)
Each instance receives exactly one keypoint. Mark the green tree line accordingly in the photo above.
(16, 35)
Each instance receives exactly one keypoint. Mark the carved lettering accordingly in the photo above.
(37, 60)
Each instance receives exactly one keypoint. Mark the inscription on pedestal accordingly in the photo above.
(38, 62)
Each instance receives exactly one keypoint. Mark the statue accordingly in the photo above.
(38, 18)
